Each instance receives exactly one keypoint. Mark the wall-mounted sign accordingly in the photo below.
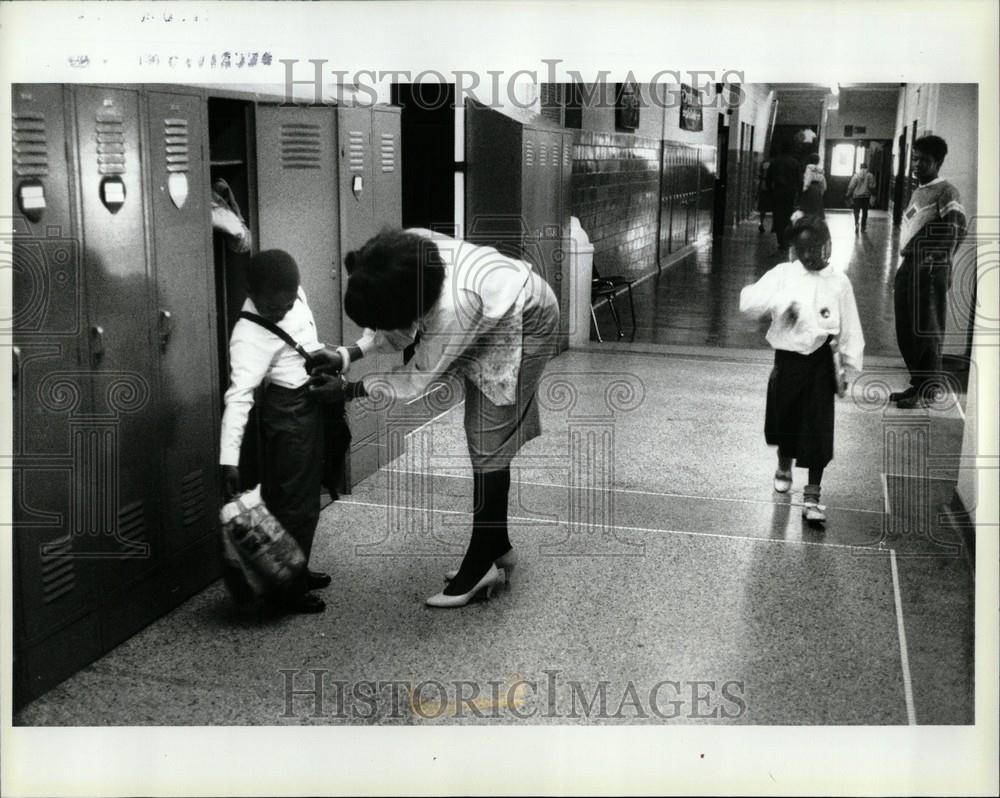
(690, 108)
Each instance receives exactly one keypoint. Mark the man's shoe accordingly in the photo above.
(317, 580)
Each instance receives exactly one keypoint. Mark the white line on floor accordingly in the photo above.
(911, 713)
(429, 421)
(544, 522)
(631, 491)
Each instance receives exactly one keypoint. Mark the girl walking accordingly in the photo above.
(811, 307)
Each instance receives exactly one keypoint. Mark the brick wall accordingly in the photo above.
(616, 194)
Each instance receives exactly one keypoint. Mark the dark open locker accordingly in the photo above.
(516, 189)
(55, 627)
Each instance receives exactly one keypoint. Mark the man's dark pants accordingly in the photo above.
(921, 294)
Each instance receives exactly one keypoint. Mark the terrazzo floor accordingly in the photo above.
(661, 580)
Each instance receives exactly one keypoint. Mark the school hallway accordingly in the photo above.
(661, 580)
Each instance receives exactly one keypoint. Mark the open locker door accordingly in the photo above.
(297, 202)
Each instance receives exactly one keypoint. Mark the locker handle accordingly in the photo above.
(97, 342)
(166, 329)
(16, 361)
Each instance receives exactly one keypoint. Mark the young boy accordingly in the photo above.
(808, 303)
(291, 417)
(933, 227)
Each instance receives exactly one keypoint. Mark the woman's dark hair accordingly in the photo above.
(271, 270)
(811, 224)
(934, 146)
(813, 157)
(394, 279)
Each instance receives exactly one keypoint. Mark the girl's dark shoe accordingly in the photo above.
(304, 603)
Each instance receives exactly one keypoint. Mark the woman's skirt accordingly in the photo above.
(800, 398)
(496, 433)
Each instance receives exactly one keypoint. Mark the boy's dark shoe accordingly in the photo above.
(317, 580)
(304, 603)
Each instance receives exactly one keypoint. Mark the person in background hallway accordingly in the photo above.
(813, 188)
(291, 418)
(859, 194)
(470, 311)
(763, 196)
(809, 304)
(933, 226)
(784, 177)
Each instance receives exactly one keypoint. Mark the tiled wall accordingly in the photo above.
(616, 192)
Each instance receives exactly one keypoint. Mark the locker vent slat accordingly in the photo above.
(388, 152)
(356, 151)
(193, 498)
(175, 143)
(301, 145)
(110, 144)
(542, 154)
(31, 155)
(58, 576)
(132, 524)
(529, 153)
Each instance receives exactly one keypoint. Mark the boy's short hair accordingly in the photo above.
(394, 279)
(934, 146)
(270, 271)
(813, 158)
(811, 224)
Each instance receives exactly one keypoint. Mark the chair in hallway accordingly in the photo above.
(608, 288)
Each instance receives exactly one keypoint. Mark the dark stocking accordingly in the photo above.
(489, 529)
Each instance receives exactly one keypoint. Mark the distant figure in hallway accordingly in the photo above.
(813, 188)
(859, 194)
(933, 226)
(784, 179)
(763, 195)
(809, 304)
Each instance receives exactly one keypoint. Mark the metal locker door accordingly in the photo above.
(549, 228)
(357, 225)
(55, 631)
(387, 180)
(297, 202)
(388, 175)
(184, 313)
(122, 518)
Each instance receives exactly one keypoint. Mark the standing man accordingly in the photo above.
(784, 179)
(859, 195)
(933, 226)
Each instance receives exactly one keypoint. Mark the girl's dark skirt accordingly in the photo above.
(799, 415)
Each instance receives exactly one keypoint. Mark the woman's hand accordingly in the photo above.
(326, 361)
(327, 387)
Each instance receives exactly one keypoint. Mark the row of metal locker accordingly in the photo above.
(687, 194)
(123, 307)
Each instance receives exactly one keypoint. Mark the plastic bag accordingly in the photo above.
(261, 558)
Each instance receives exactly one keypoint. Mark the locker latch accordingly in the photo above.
(97, 343)
(166, 329)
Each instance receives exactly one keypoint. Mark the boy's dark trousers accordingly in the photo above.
(860, 206)
(292, 431)
(921, 295)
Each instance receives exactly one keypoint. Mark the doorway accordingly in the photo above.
(427, 138)
(843, 158)
(721, 175)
